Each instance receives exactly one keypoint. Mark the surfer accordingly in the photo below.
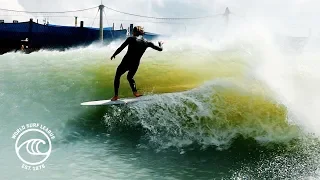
(137, 45)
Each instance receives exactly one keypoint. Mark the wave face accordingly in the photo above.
(204, 97)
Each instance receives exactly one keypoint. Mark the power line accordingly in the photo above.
(51, 16)
(86, 17)
(95, 18)
(112, 19)
(131, 14)
(162, 18)
(159, 22)
(34, 12)
(106, 17)
(107, 22)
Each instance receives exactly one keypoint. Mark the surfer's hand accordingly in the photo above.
(160, 43)
(112, 57)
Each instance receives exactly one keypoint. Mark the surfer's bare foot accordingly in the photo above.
(115, 98)
(136, 94)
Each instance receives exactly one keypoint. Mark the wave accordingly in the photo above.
(238, 100)
(212, 115)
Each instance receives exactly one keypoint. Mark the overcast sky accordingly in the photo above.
(293, 14)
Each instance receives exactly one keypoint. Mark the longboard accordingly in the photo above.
(109, 102)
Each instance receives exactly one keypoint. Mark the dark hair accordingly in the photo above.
(138, 30)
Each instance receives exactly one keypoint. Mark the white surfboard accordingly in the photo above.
(109, 102)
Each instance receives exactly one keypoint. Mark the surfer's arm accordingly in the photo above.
(123, 45)
(153, 46)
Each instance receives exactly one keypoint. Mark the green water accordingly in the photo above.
(207, 119)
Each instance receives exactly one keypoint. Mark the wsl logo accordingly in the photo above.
(33, 145)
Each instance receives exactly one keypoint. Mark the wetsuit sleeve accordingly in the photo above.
(153, 46)
(123, 45)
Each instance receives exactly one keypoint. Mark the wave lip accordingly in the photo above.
(212, 115)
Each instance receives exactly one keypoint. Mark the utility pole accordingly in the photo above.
(101, 21)
(226, 15)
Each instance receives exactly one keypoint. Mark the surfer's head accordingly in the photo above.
(138, 30)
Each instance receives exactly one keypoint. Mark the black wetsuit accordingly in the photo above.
(131, 61)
